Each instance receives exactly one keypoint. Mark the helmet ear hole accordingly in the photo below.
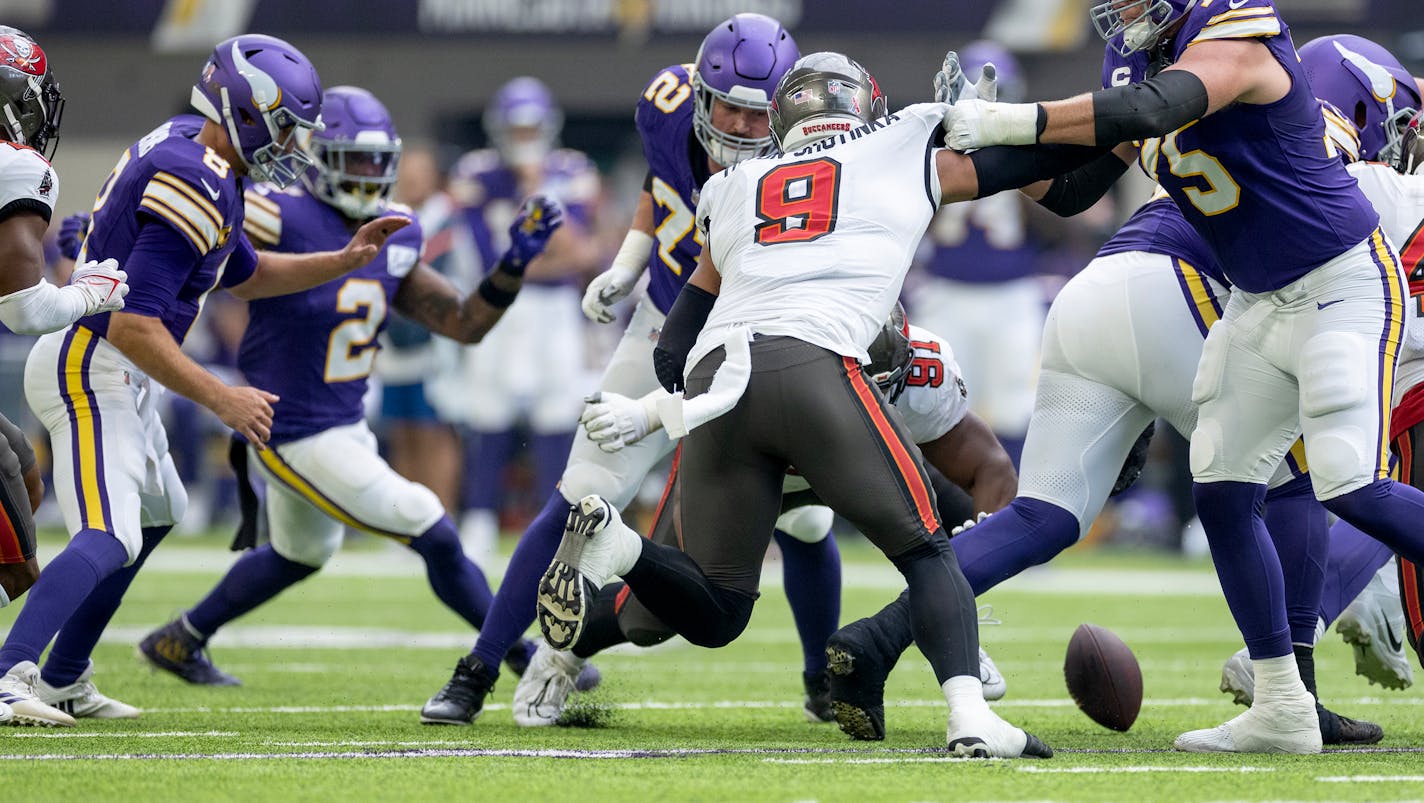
(1361, 114)
(245, 117)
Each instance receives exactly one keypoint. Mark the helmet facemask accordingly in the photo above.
(356, 176)
(892, 355)
(1141, 22)
(727, 149)
(1410, 158)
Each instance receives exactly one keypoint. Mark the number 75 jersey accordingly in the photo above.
(815, 244)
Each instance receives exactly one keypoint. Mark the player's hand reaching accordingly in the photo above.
(974, 123)
(607, 289)
(951, 85)
(103, 284)
(538, 219)
(72, 231)
(248, 411)
(614, 421)
(370, 239)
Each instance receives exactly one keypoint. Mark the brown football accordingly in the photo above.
(1103, 677)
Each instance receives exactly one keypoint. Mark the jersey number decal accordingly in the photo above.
(352, 350)
(1222, 193)
(797, 202)
(675, 227)
(925, 371)
(667, 92)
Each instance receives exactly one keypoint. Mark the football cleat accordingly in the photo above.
(17, 692)
(1373, 625)
(1337, 729)
(857, 670)
(594, 545)
(1287, 724)
(818, 708)
(174, 649)
(463, 698)
(519, 656)
(1238, 678)
(983, 734)
(544, 689)
(82, 699)
(7, 714)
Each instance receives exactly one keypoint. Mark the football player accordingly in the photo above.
(917, 373)
(545, 328)
(693, 120)
(316, 349)
(29, 187)
(171, 210)
(1308, 342)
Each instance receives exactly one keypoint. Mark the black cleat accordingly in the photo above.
(818, 708)
(174, 649)
(857, 675)
(1335, 729)
(463, 698)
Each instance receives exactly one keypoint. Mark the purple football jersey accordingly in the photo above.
(985, 240)
(1158, 227)
(168, 179)
(490, 195)
(1259, 182)
(315, 349)
(677, 169)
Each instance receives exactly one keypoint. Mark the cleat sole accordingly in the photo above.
(560, 605)
(857, 722)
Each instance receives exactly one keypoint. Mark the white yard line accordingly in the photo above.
(123, 734)
(1371, 779)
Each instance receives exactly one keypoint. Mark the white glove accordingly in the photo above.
(614, 421)
(975, 123)
(967, 524)
(614, 284)
(680, 416)
(952, 86)
(103, 284)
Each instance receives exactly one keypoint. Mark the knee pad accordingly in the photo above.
(416, 507)
(1337, 460)
(1335, 377)
(1205, 446)
(809, 524)
(306, 549)
(1206, 385)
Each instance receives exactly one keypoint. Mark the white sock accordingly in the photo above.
(1278, 677)
(965, 694)
(627, 546)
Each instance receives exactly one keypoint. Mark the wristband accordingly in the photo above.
(495, 296)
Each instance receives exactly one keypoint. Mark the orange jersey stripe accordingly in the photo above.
(10, 551)
(909, 470)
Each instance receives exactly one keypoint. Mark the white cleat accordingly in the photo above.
(82, 699)
(1373, 625)
(995, 687)
(7, 714)
(983, 734)
(17, 692)
(545, 687)
(1238, 678)
(1284, 725)
(597, 546)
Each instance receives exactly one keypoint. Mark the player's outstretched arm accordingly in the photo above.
(280, 274)
(614, 284)
(992, 170)
(429, 299)
(29, 304)
(971, 457)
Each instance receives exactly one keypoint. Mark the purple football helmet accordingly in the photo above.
(523, 121)
(1140, 23)
(356, 152)
(1368, 84)
(267, 96)
(739, 63)
(1010, 75)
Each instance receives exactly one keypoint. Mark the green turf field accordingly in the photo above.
(337, 669)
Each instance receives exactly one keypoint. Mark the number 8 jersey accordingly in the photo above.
(815, 244)
(1261, 183)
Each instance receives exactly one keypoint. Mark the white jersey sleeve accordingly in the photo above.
(935, 399)
(27, 182)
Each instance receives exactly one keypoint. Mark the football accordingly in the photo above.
(1103, 677)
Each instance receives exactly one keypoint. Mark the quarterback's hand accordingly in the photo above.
(72, 231)
(951, 85)
(607, 289)
(538, 219)
(370, 239)
(967, 524)
(248, 411)
(974, 123)
(614, 421)
(103, 284)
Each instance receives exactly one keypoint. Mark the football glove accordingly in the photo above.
(103, 284)
(951, 85)
(538, 219)
(614, 284)
(967, 524)
(72, 231)
(614, 421)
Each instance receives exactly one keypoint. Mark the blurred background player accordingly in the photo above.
(530, 371)
(692, 122)
(316, 350)
(978, 288)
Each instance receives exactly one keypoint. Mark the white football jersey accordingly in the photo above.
(26, 176)
(1399, 199)
(815, 244)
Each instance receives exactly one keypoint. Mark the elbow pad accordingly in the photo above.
(684, 322)
(1008, 167)
(1152, 108)
(1074, 192)
(42, 308)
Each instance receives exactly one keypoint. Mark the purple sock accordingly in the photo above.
(1026, 533)
(812, 576)
(551, 454)
(1246, 563)
(259, 575)
(456, 580)
(90, 557)
(1301, 532)
(513, 609)
(1387, 511)
(486, 455)
(1354, 559)
(69, 656)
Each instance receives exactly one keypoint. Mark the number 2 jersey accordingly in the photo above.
(815, 244)
(1260, 182)
(315, 349)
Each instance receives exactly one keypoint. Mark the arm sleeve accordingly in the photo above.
(1074, 192)
(1008, 167)
(42, 308)
(1151, 108)
(159, 264)
(19, 444)
(684, 323)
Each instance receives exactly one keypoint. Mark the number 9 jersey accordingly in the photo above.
(815, 244)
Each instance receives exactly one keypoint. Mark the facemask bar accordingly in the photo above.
(725, 149)
(1139, 34)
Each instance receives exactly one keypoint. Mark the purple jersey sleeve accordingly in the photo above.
(677, 168)
(242, 264)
